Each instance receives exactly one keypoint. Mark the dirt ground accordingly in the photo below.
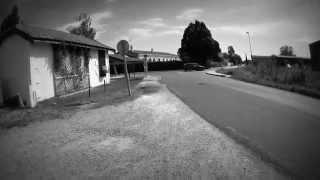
(153, 136)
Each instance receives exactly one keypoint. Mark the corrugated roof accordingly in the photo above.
(50, 35)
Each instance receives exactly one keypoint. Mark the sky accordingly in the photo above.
(159, 24)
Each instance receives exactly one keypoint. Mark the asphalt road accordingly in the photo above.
(283, 127)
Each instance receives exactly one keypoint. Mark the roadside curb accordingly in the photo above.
(214, 73)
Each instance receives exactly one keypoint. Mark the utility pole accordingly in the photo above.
(250, 45)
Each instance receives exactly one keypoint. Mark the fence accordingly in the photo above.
(68, 84)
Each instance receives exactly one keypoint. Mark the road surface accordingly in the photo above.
(281, 126)
(151, 136)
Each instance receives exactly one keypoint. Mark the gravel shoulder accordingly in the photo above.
(154, 136)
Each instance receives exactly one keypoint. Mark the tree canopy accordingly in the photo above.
(286, 51)
(84, 29)
(233, 57)
(197, 44)
(11, 20)
(231, 50)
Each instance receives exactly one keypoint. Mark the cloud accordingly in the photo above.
(68, 26)
(154, 31)
(140, 32)
(99, 22)
(149, 33)
(153, 22)
(154, 27)
(100, 17)
(168, 32)
(190, 14)
(258, 29)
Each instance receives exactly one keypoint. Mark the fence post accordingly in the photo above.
(134, 71)
(89, 85)
(65, 86)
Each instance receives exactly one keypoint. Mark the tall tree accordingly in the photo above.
(11, 20)
(231, 50)
(286, 51)
(84, 29)
(197, 44)
(233, 57)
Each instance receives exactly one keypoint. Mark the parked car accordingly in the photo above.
(193, 66)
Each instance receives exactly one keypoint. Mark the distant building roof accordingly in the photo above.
(52, 36)
(292, 57)
(118, 59)
(153, 52)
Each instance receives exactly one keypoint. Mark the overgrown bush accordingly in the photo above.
(269, 70)
(294, 78)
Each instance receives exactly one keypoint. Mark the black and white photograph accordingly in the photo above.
(159, 89)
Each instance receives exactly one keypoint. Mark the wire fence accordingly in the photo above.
(71, 83)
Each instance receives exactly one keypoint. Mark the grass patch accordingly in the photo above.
(300, 79)
(63, 108)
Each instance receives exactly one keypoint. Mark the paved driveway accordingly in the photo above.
(284, 127)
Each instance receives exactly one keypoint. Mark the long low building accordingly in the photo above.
(155, 56)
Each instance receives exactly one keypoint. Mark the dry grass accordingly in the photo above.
(300, 79)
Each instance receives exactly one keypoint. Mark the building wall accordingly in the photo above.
(14, 68)
(95, 79)
(41, 72)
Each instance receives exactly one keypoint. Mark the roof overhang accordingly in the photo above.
(50, 41)
(31, 39)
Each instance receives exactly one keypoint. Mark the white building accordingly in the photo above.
(39, 63)
(155, 56)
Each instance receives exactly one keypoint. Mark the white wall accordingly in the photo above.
(41, 70)
(14, 67)
(95, 79)
(108, 67)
